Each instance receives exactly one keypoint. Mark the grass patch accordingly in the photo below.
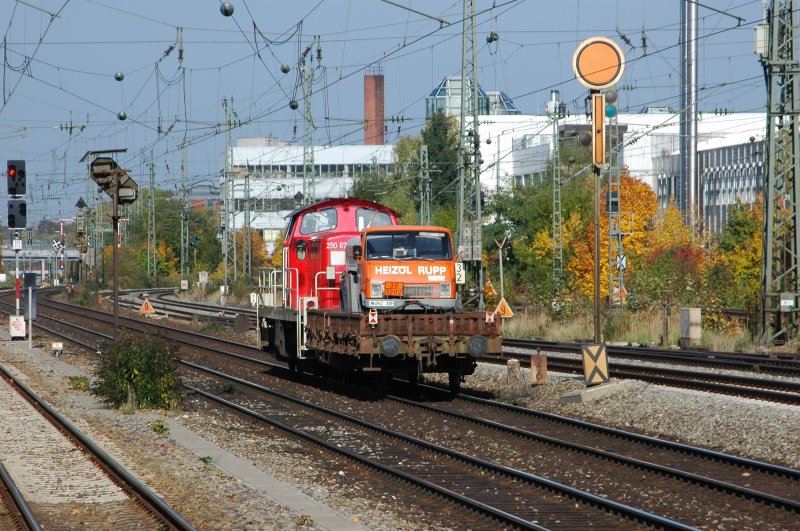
(226, 389)
(80, 383)
(159, 427)
(644, 327)
(215, 328)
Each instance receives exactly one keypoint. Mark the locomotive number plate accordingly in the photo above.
(393, 289)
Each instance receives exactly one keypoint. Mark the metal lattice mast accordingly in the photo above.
(184, 209)
(247, 258)
(781, 191)
(152, 265)
(616, 257)
(424, 187)
(468, 232)
(556, 110)
(307, 72)
(228, 210)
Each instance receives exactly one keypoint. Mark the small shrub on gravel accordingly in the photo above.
(159, 427)
(138, 372)
(79, 383)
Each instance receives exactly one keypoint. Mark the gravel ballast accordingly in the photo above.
(211, 499)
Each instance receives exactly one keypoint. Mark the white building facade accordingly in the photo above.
(267, 175)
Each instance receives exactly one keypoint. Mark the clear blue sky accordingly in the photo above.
(60, 97)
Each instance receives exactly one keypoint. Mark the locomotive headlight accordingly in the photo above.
(445, 290)
(376, 290)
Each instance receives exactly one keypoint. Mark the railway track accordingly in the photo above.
(789, 366)
(708, 473)
(67, 480)
(688, 373)
(757, 387)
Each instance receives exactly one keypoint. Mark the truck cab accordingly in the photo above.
(400, 268)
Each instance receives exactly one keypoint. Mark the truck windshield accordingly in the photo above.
(423, 245)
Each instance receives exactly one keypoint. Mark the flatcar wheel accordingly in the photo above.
(454, 379)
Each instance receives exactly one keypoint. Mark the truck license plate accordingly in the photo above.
(393, 289)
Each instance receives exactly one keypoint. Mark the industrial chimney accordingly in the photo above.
(373, 106)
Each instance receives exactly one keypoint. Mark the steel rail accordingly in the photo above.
(22, 506)
(155, 503)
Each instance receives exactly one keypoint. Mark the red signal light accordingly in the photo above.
(12, 171)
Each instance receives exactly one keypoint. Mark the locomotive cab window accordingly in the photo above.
(366, 217)
(319, 221)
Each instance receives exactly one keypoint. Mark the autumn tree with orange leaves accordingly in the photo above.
(638, 204)
(670, 269)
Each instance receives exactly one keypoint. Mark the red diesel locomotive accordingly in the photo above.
(359, 293)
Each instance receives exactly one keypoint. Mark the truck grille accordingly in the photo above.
(418, 290)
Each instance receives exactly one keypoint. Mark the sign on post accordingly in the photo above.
(503, 309)
(598, 63)
(595, 364)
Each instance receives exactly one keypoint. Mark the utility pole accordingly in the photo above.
(247, 258)
(777, 44)
(556, 110)
(152, 262)
(690, 180)
(424, 187)
(184, 210)
(228, 209)
(469, 236)
(307, 72)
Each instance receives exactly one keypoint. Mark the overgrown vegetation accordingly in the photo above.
(138, 372)
(84, 295)
(79, 383)
(159, 427)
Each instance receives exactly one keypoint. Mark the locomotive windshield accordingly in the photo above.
(367, 217)
(423, 245)
(319, 221)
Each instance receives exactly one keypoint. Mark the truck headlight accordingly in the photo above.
(376, 290)
(445, 290)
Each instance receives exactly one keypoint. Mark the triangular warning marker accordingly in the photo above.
(503, 309)
(595, 364)
(146, 308)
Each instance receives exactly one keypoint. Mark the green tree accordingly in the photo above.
(733, 279)
(440, 134)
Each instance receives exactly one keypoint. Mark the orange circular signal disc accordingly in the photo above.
(598, 63)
